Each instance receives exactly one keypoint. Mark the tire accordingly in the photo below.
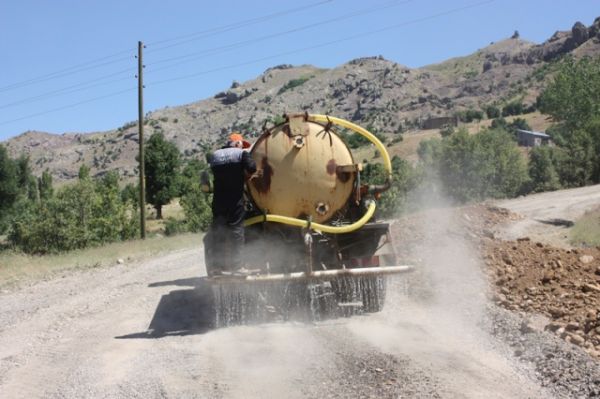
(373, 290)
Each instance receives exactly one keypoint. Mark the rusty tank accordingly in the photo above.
(308, 171)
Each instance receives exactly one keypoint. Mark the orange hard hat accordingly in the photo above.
(235, 136)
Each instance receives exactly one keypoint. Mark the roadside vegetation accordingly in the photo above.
(37, 218)
(586, 232)
(17, 266)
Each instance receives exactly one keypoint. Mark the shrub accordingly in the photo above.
(543, 162)
(492, 111)
(174, 226)
(513, 108)
(84, 214)
(196, 206)
(293, 83)
(475, 167)
(447, 130)
(469, 116)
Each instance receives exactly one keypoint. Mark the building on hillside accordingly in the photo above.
(440, 122)
(528, 138)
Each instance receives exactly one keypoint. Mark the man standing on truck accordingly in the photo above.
(230, 166)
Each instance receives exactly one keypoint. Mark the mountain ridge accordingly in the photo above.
(372, 91)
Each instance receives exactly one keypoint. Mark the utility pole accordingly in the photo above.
(141, 142)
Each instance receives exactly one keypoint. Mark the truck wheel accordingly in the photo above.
(373, 293)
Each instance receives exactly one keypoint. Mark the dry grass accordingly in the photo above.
(173, 209)
(17, 268)
(586, 231)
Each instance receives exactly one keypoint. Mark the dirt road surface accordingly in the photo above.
(137, 331)
(141, 330)
(546, 215)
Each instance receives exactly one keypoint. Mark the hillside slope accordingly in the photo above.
(372, 91)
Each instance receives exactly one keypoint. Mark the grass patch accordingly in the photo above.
(586, 231)
(294, 83)
(17, 268)
(171, 210)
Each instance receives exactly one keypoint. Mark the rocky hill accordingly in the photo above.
(372, 91)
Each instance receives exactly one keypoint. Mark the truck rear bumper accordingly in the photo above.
(316, 275)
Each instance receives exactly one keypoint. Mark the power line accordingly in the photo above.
(191, 57)
(215, 50)
(65, 72)
(70, 89)
(226, 28)
(69, 106)
(103, 61)
(341, 40)
(238, 64)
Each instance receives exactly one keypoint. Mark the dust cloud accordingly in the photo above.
(433, 316)
(436, 315)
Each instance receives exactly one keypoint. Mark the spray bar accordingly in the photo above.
(319, 274)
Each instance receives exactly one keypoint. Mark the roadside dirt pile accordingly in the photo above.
(563, 285)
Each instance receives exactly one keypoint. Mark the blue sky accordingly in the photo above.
(69, 65)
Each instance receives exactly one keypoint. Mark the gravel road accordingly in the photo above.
(141, 330)
(546, 215)
(137, 331)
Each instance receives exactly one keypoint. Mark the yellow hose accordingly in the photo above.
(322, 227)
(315, 226)
(363, 132)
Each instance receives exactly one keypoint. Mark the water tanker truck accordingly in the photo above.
(311, 235)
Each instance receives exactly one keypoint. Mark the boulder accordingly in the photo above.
(579, 33)
(576, 339)
(557, 312)
(554, 326)
(590, 288)
(230, 98)
(585, 259)
(594, 30)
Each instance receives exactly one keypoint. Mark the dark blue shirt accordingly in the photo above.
(229, 166)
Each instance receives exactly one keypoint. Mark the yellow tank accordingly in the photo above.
(308, 171)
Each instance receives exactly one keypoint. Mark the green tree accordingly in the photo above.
(542, 169)
(190, 175)
(162, 162)
(573, 95)
(25, 179)
(131, 195)
(519, 123)
(45, 186)
(89, 212)
(9, 181)
(447, 130)
(9, 187)
(23, 172)
(513, 108)
(499, 123)
(492, 111)
(196, 206)
(579, 161)
(32, 189)
(475, 167)
(84, 172)
(469, 115)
